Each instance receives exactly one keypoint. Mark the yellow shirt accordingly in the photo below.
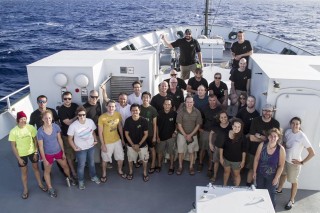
(24, 139)
(110, 127)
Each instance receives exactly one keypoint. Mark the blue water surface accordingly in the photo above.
(33, 29)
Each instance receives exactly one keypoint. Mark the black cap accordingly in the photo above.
(187, 31)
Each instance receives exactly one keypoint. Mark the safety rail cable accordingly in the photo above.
(11, 94)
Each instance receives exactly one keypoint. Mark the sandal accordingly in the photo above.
(151, 170)
(179, 171)
(130, 176)
(191, 171)
(137, 165)
(145, 178)
(24, 195)
(123, 175)
(158, 169)
(212, 179)
(43, 188)
(200, 167)
(171, 171)
(103, 179)
(209, 172)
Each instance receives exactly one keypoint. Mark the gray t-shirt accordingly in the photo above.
(50, 142)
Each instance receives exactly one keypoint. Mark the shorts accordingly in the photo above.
(233, 165)
(216, 155)
(183, 147)
(68, 150)
(30, 157)
(292, 171)
(166, 146)
(185, 71)
(204, 140)
(133, 155)
(249, 161)
(113, 148)
(57, 156)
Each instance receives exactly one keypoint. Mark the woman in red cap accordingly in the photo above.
(24, 147)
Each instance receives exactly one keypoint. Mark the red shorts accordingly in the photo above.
(50, 158)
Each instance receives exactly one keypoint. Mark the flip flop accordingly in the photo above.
(151, 170)
(145, 178)
(123, 175)
(130, 176)
(43, 188)
(103, 179)
(24, 195)
(158, 169)
(171, 171)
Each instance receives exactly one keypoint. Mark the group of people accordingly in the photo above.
(140, 126)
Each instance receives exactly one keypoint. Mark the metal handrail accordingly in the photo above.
(11, 94)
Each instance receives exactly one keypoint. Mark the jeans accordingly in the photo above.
(266, 183)
(82, 157)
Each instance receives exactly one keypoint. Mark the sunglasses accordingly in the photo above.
(217, 77)
(42, 102)
(96, 97)
(67, 99)
(81, 115)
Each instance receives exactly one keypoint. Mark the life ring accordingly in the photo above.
(233, 35)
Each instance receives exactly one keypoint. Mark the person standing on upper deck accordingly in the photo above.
(188, 49)
(240, 49)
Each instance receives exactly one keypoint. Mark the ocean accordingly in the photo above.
(33, 29)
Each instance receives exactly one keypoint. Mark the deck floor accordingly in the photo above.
(163, 193)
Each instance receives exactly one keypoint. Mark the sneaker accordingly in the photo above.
(81, 185)
(71, 181)
(96, 180)
(289, 205)
(52, 192)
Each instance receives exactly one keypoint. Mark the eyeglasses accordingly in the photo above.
(67, 99)
(96, 97)
(42, 102)
(217, 77)
(173, 82)
(81, 115)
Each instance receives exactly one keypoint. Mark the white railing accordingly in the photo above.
(7, 98)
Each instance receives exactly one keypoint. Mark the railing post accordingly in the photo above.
(8, 103)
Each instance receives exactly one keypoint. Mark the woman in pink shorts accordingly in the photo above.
(51, 148)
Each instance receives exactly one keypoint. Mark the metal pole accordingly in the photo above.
(206, 14)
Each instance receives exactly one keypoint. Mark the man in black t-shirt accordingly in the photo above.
(166, 134)
(67, 115)
(181, 83)
(219, 89)
(240, 49)
(188, 49)
(247, 114)
(157, 100)
(258, 133)
(136, 133)
(196, 81)
(93, 107)
(35, 118)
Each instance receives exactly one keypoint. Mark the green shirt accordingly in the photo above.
(24, 139)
